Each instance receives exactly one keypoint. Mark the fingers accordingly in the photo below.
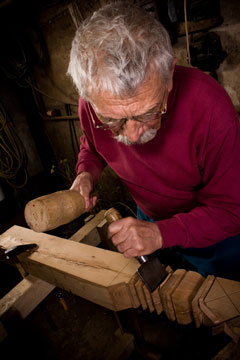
(84, 185)
(134, 237)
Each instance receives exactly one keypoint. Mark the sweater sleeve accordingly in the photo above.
(88, 158)
(217, 216)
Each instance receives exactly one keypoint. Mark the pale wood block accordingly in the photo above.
(166, 292)
(23, 299)
(201, 293)
(31, 291)
(235, 298)
(84, 270)
(156, 296)
(87, 219)
(88, 234)
(232, 289)
(25, 296)
(169, 269)
(121, 297)
(230, 286)
(216, 292)
(217, 304)
(157, 301)
(183, 295)
(148, 299)
(139, 289)
(134, 296)
(219, 310)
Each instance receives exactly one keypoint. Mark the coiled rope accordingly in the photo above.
(12, 154)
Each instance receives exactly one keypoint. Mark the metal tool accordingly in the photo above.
(152, 272)
(20, 249)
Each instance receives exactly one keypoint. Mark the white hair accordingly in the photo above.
(115, 48)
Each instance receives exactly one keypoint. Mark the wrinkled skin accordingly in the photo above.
(84, 185)
(134, 237)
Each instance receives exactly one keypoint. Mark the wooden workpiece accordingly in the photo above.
(29, 292)
(167, 290)
(89, 272)
(183, 295)
(108, 279)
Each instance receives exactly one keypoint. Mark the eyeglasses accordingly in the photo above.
(117, 125)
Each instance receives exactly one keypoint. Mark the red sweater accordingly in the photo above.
(188, 177)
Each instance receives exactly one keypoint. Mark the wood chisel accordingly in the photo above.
(152, 272)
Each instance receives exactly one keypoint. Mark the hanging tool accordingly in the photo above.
(151, 271)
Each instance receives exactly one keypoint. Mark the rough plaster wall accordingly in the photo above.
(229, 32)
(58, 30)
(58, 33)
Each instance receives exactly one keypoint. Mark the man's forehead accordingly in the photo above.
(146, 97)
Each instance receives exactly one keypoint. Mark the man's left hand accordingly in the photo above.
(134, 237)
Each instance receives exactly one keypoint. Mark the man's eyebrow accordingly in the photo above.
(108, 119)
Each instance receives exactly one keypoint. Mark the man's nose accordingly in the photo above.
(133, 130)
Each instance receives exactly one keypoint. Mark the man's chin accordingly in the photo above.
(143, 139)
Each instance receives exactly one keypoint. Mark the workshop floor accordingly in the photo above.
(67, 327)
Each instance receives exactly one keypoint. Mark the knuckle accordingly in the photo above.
(139, 247)
(130, 220)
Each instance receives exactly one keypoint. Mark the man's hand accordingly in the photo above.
(84, 184)
(134, 237)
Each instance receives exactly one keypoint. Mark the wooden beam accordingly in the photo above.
(88, 234)
(31, 291)
(23, 299)
(89, 272)
(25, 296)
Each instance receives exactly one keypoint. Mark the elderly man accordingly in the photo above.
(172, 135)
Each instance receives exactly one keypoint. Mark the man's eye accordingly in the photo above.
(104, 120)
(115, 124)
(144, 117)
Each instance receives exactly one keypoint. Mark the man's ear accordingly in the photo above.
(170, 85)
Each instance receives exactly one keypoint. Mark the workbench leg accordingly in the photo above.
(143, 350)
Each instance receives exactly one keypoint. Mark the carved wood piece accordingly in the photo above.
(183, 295)
(84, 270)
(167, 290)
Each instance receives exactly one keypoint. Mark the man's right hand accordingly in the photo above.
(84, 185)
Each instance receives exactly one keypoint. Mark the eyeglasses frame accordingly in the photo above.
(123, 121)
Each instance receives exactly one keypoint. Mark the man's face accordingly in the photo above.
(140, 114)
